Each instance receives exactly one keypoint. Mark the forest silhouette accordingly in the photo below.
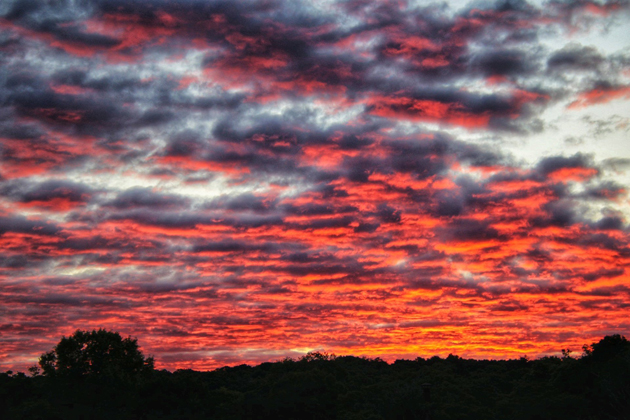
(100, 375)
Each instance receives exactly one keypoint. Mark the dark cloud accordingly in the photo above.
(575, 57)
(68, 300)
(20, 224)
(234, 246)
(243, 202)
(610, 223)
(366, 227)
(47, 191)
(604, 240)
(189, 219)
(388, 214)
(145, 197)
(314, 209)
(15, 261)
(607, 190)
(598, 274)
(554, 163)
(561, 213)
(449, 203)
(509, 306)
(293, 161)
(333, 222)
(504, 63)
(469, 230)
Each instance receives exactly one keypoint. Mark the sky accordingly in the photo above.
(243, 181)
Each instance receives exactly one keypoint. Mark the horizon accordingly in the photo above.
(238, 182)
(328, 356)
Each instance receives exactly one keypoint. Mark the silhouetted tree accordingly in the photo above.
(312, 356)
(592, 386)
(95, 352)
(607, 347)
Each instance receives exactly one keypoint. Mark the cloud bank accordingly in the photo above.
(242, 181)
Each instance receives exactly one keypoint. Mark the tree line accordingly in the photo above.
(100, 375)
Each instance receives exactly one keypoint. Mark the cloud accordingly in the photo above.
(145, 197)
(575, 57)
(599, 95)
(233, 180)
(58, 195)
(20, 224)
(571, 168)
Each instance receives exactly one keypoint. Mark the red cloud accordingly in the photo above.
(600, 96)
(238, 187)
(425, 110)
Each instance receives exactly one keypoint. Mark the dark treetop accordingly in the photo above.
(99, 375)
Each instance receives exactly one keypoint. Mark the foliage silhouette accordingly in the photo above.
(593, 386)
(95, 353)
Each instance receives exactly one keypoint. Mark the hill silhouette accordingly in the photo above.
(594, 385)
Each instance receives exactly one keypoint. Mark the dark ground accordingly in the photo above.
(595, 385)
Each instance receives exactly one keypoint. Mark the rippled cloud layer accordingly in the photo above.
(241, 181)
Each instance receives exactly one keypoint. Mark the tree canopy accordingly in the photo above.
(591, 386)
(95, 352)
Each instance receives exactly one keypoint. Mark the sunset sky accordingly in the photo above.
(242, 181)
